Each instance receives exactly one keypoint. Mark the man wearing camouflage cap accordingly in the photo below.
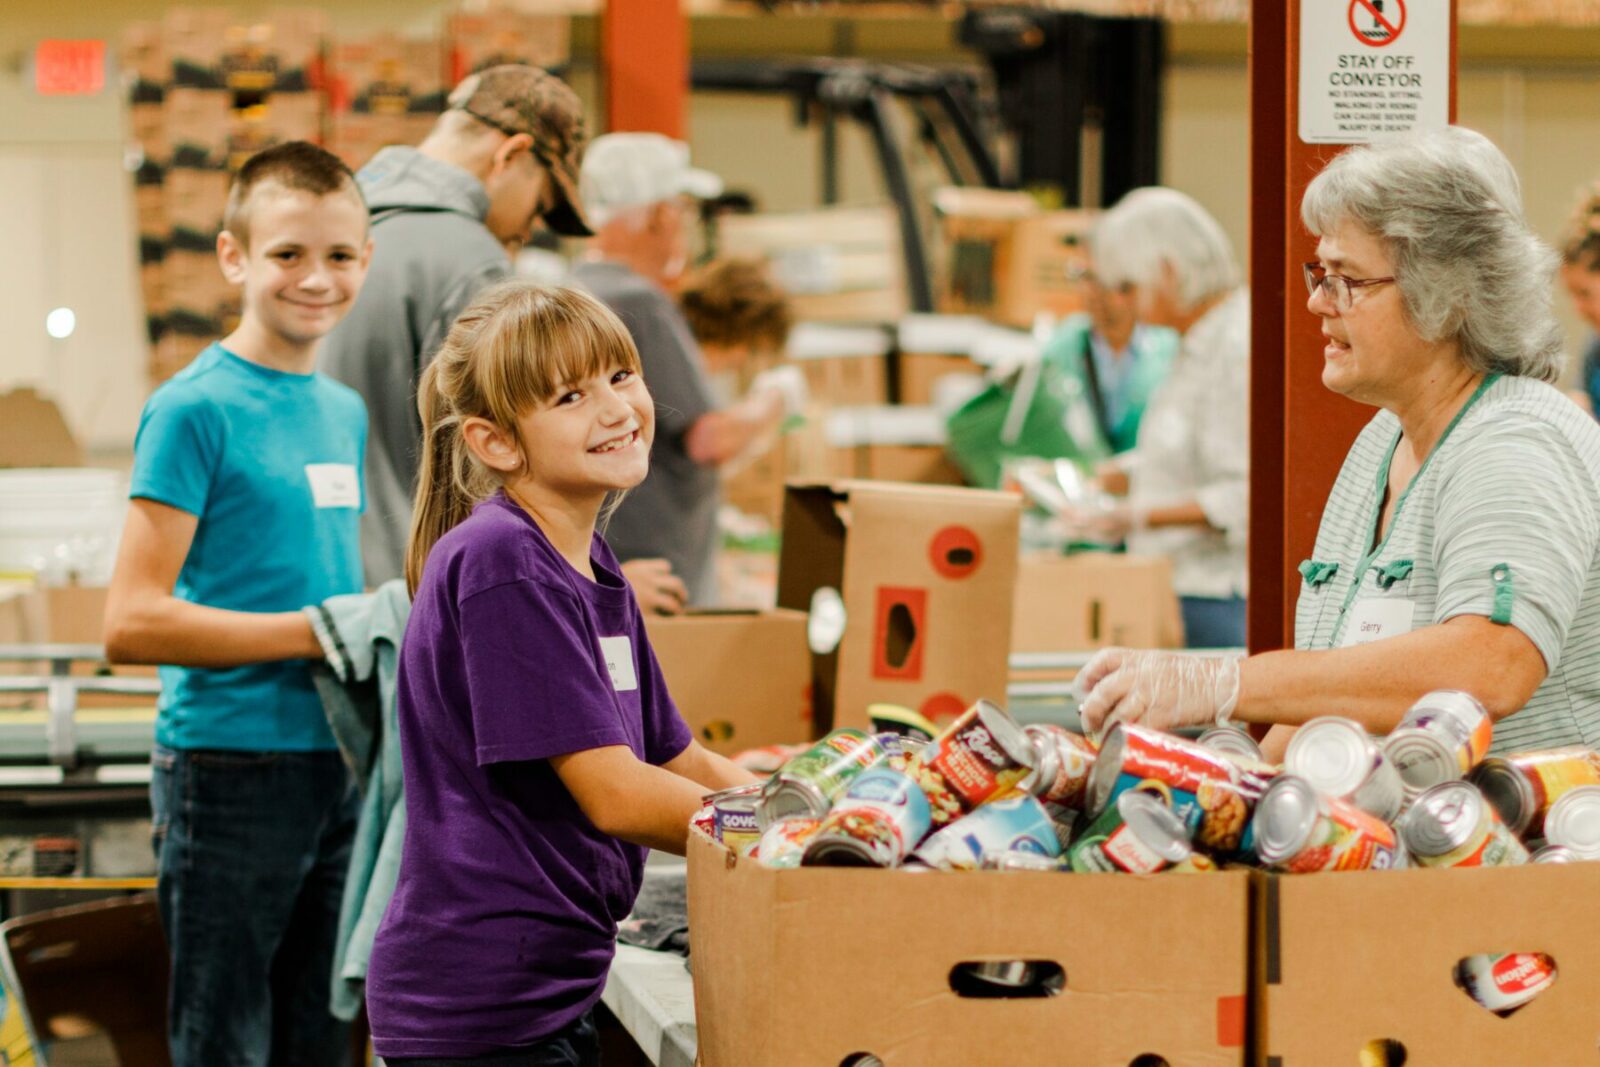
(503, 156)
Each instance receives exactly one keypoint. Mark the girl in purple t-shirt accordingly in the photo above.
(543, 755)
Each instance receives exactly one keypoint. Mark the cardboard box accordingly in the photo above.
(1092, 600)
(921, 372)
(816, 965)
(838, 264)
(1348, 958)
(36, 433)
(892, 444)
(1007, 258)
(742, 679)
(926, 575)
(756, 487)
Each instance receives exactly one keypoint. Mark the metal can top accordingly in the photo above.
(1554, 854)
(1285, 816)
(1010, 859)
(1443, 819)
(1507, 790)
(1335, 755)
(752, 789)
(1574, 822)
(1157, 826)
(1046, 761)
(1107, 769)
(1422, 758)
(1231, 741)
(1456, 703)
(1007, 732)
(784, 797)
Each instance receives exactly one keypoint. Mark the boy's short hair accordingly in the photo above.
(293, 165)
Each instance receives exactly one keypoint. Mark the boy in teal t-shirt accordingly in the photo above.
(246, 495)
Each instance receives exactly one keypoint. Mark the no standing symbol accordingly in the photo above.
(1377, 23)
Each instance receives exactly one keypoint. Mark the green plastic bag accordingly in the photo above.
(1034, 413)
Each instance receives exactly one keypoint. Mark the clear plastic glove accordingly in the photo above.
(789, 383)
(655, 587)
(1163, 690)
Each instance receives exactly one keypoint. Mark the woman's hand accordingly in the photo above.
(1163, 690)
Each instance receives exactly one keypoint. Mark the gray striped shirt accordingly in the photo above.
(1503, 521)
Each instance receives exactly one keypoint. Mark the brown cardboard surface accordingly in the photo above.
(741, 679)
(1345, 958)
(941, 559)
(846, 381)
(839, 264)
(917, 464)
(1007, 258)
(36, 434)
(921, 371)
(1094, 599)
(808, 966)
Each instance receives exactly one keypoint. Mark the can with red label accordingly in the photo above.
(1451, 825)
(878, 821)
(1522, 786)
(1212, 795)
(1505, 982)
(1016, 823)
(810, 782)
(1300, 831)
(982, 755)
(1574, 822)
(784, 842)
(1062, 762)
(1340, 759)
(1137, 833)
(1442, 737)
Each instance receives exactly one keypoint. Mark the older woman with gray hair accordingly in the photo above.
(1187, 480)
(1460, 546)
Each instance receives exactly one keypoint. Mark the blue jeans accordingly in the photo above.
(1213, 622)
(574, 1045)
(252, 849)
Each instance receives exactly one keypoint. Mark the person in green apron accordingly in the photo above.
(1460, 546)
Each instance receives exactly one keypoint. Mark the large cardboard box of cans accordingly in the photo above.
(1350, 960)
(741, 679)
(909, 588)
(818, 965)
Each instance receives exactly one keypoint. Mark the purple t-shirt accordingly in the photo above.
(503, 922)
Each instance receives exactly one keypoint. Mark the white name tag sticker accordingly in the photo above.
(618, 652)
(334, 485)
(1376, 618)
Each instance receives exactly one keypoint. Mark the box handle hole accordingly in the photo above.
(861, 1059)
(1007, 979)
(1504, 982)
(1383, 1052)
(1149, 1059)
(900, 636)
(717, 731)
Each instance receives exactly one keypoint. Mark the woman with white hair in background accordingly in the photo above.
(1187, 482)
(1460, 546)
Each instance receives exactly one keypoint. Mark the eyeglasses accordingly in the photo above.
(1339, 290)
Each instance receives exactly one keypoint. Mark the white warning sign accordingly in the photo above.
(1371, 69)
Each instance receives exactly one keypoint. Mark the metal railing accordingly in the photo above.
(62, 689)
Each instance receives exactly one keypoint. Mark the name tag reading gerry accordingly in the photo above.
(618, 652)
(1375, 618)
(334, 485)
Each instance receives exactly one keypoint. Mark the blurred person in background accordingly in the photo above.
(636, 189)
(736, 311)
(1580, 274)
(1460, 545)
(1185, 488)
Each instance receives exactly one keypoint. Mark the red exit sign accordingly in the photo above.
(69, 68)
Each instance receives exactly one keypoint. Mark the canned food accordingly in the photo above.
(1210, 793)
(880, 819)
(900, 720)
(1301, 831)
(1012, 974)
(1442, 737)
(705, 820)
(1197, 863)
(1062, 762)
(1524, 785)
(783, 843)
(1554, 854)
(1233, 743)
(1339, 758)
(1451, 825)
(1574, 822)
(1505, 982)
(1136, 833)
(1017, 823)
(983, 754)
(996, 859)
(810, 782)
(733, 813)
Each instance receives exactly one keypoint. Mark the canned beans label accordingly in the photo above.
(1345, 839)
(964, 768)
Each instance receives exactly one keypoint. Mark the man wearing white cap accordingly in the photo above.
(634, 188)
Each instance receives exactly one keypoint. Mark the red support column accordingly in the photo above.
(1299, 431)
(644, 56)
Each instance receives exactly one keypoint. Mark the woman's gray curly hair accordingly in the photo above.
(1448, 208)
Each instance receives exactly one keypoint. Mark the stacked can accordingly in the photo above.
(1504, 982)
(1339, 758)
(982, 755)
(1063, 761)
(1523, 786)
(784, 842)
(1299, 830)
(733, 816)
(877, 822)
(1574, 822)
(1451, 825)
(810, 782)
(1137, 833)
(1442, 737)
(1017, 823)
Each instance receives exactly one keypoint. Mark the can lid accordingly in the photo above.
(1554, 854)
(1231, 741)
(1442, 819)
(1007, 732)
(1422, 759)
(1506, 790)
(837, 850)
(785, 797)
(1285, 816)
(1155, 825)
(1335, 755)
(1107, 769)
(1574, 821)
(1458, 704)
(1046, 761)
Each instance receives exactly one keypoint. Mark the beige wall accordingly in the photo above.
(65, 202)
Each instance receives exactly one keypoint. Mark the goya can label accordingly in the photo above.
(1300, 831)
(810, 782)
(1137, 834)
(981, 755)
(1016, 823)
(1063, 762)
(1523, 786)
(1451, 825)
(880, 818)
(1210, 793)
(1505, 982)
(785, 841)
(734, 817)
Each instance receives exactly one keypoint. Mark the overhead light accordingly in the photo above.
(60, 323)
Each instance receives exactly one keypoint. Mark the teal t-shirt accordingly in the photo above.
(270, 463)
